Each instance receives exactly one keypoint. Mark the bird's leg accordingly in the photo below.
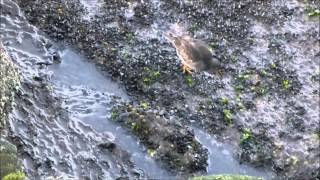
(186, 69)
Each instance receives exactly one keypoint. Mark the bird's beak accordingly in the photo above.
(169, 36)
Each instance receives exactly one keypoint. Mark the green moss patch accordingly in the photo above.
(8, 158)
(15, 176)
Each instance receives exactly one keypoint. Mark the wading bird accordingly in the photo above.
(194, 54)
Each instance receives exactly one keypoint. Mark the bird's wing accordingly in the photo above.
(190, 52)
(202, 47)
(208, 56)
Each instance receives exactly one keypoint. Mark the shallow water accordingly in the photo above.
(75, 70)
(67, 141)
(87, 96)
(52, 145)
(222, 161)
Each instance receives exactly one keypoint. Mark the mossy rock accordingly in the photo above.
(15, 176)
(226, 177)
(9, 83)
(168, 142)
(8, 158)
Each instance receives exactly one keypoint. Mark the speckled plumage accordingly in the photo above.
(193, 53)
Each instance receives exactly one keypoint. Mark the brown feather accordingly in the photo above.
(194, 54)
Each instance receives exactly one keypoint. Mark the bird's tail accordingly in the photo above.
(215, 67)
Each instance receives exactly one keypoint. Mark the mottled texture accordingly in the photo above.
(9, 82)
(8, 158)
(194, 54)
(270, 51)
(168, 142)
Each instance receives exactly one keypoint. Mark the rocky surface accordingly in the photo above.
(226, 177)
(9, 159)
(9, 83)
(266, 103)
(50, 142)
(77, 151)
(170, 143)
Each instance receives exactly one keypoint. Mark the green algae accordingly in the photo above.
(145, 105)
(286, 84)
(246, 135)
(190, 81)
(227, 116)
(166, 142)
(150, 76)
(9, 159)
(114, 115)
(314, 13)
(15, 176)
(224, 100)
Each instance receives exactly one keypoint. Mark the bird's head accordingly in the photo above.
(173, 39)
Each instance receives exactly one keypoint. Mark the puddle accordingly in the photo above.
(221, 160)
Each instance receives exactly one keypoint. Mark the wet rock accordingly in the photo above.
(226, 177)
(254, 150)
(273, 79)
(108, 146)
(9, 83)
(102, 155)
(172, 144)
(255, 40)
(9, 159)
(56, 57)
(37, 78)
(143, 14)
(47, 137)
